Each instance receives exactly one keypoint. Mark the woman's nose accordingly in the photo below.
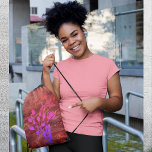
(71, 41)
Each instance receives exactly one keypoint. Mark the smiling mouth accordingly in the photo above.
(76, 48)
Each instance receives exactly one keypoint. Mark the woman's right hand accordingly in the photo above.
(48, 63)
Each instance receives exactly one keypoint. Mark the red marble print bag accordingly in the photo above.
(42, 119)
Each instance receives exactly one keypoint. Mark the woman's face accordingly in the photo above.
(73, 40)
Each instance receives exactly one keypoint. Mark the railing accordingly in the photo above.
(127, 108)
(17, 130)
(19, 102)
(121, 126)
(129, 12)
(20, 92)
(19, 115)
(21, 97)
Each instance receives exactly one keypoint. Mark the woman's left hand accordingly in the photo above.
(88, 105)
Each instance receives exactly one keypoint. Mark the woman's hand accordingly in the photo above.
(88, 105)
(48, 63)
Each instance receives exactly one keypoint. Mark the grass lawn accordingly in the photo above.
(12, 121)
(117, 143)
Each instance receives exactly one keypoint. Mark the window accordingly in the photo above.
(18, 54)
(139, 32)
(33, 10)
(116, 32)
(129, 36)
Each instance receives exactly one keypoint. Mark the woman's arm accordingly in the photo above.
(56, 86)
(53, 87)
(115, 100)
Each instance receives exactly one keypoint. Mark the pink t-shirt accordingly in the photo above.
(89, 78)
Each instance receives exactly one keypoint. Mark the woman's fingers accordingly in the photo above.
(51, 56)
(48, 62)
(76, 105)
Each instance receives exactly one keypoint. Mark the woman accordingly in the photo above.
(89, 74)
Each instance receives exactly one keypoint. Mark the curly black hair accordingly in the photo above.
(71, 11)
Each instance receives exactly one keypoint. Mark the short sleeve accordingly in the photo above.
(112, 69)
(55, 73)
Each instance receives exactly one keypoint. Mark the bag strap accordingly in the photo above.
(68, 83)
(76, 95)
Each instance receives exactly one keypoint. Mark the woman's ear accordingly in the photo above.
(84, 31)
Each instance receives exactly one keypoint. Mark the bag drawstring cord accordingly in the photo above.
(76, 95)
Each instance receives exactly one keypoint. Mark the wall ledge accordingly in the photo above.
(123, 72)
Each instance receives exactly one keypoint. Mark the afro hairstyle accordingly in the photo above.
(71, 11)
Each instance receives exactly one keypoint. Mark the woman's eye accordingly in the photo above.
(75, 34)
(64, 41)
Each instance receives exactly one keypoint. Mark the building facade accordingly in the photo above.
(38, 7)
(115, 30)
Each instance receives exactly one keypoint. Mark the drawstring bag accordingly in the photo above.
(42, 119)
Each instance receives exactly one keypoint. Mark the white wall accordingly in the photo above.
(13, 94)
(42, 5)
(134, 84)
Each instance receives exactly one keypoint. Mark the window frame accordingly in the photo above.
(34, 10)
